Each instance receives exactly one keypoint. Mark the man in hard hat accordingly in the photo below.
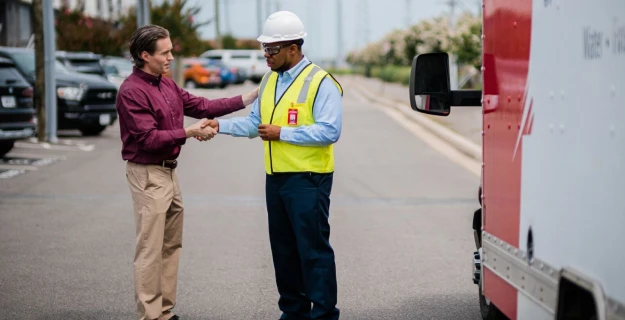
(298, 115)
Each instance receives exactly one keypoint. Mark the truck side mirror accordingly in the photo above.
(429, 79)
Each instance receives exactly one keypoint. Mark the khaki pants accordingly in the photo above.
(158, 218)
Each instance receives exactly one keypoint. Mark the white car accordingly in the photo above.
(252, 61)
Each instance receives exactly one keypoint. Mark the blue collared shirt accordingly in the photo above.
(327, 111)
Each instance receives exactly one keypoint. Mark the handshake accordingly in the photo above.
(203, 130)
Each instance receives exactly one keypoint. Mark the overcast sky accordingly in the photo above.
(320, 19)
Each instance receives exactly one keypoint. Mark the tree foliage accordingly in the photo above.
(432, 35)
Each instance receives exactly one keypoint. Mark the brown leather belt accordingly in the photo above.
(171, 164)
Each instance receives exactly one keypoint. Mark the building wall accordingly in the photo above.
(16, 23)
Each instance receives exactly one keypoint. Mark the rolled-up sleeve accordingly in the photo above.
(139, 119)
(200, 107)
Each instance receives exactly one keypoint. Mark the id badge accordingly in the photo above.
(292, 116)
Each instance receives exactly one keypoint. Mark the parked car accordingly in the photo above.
(16, 106)
(253, 62)
(83, 62)
(227, 76)
(199, 73)
(84, 102)
(117, 69)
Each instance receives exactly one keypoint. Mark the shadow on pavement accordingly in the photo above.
(435, 306)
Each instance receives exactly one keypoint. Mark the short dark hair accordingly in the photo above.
(144, 39)
(298, 43)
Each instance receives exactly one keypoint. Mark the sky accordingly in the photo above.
(320, 19)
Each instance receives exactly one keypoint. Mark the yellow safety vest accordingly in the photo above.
(293, 110)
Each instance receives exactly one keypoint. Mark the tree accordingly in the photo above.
(78, 32)
(39, 70)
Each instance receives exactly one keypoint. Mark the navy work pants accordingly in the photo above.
(298, 206)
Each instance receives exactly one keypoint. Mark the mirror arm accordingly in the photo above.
(466, 98)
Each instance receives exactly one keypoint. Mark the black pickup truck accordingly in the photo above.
(16, 107)
(84, 102)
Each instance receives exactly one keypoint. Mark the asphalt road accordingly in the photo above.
(400, 217)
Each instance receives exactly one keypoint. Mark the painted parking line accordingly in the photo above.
(14, 160)
(10, 173)
(14, 165)
(63, 144)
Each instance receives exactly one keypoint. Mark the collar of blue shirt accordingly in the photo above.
(293, 72)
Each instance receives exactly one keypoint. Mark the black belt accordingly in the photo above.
(171, 164)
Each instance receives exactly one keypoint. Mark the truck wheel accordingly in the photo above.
(5, 147)
(92, 131)
(487, 309)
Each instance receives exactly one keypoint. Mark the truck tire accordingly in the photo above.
(92, 131)
(487, 309)
(6, 146)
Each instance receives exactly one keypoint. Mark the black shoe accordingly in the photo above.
(174, 318)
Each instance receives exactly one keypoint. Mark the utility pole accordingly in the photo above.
(339, 38)
(217, 29)
(365, 20)
(267, 8)
(40, 83)
(227, 17)
(259, 17)
(277, 5)
(453, 66)
(408, 12)
(143, 13)
(49, 41)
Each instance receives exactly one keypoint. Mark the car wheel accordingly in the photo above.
(190, 84)
(5, 147)
(487, 309)
(92, 131)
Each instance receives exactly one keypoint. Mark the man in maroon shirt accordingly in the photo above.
(151, 118)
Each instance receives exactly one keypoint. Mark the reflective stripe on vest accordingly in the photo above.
(294, 109)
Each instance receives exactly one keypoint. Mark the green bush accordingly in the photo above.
(391, 73)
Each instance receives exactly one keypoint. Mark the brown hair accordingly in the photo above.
(144, 39)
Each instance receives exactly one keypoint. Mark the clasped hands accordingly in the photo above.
(206, 129)
(202, 130)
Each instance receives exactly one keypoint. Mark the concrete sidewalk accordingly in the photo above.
(465, 121)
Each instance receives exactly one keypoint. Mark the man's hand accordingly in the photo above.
(211, 123)
(249, 98)
(200, 130)
(269, 132)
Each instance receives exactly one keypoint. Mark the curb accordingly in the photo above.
(459, 142)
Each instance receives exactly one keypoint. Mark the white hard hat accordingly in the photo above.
(282, 26)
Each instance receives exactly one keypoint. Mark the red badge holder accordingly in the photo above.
(292, 117)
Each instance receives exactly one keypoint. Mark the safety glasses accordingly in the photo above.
(272, 51)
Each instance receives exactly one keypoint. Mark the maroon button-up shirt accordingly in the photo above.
(151, 116)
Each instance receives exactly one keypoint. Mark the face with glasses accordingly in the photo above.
(281, 56)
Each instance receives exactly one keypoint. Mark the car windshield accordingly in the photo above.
(26, 62)
(122, 65)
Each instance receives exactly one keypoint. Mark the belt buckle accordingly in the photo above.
(172, 164)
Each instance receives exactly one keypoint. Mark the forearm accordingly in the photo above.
(205, 108)
(314, 135)
(156, 140)
(238, 127)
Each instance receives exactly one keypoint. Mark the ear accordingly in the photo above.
(293, 49)
(144, 55)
